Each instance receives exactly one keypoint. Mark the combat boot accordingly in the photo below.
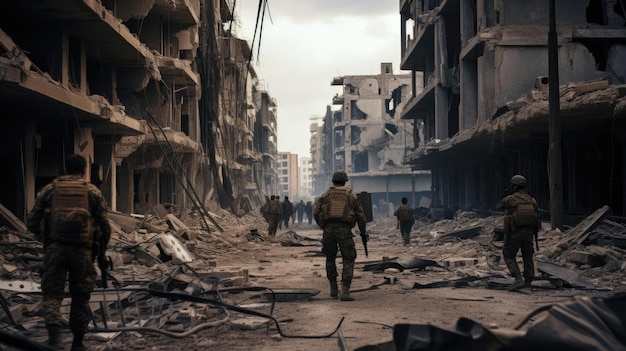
(77, 343)
(54, 336)
(517, 284)
(334, 290)
(528, 282)
(345, 293)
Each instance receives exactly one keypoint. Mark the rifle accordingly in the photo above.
(364, 238)
(536, 240)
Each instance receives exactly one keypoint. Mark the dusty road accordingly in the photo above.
(382, 299)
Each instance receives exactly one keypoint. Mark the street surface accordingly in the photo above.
(382, 299)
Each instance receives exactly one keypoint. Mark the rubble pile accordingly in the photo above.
(164, 276)
(471, 245)
(166, 273)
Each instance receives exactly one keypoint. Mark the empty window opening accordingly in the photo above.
(356, 112)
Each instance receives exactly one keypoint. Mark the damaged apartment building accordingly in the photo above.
(484, 110)
(157, 95)
(366, 137)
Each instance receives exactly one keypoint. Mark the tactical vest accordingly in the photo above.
(525, 213)
(336, 206)
(273, 208)
(405, 213)
(70, 218)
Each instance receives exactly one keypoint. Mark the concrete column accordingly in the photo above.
(83, 67)
(113, 181)
(441, 94)
(468, 110)
(347, 136)
(32, 142)
(65, 59)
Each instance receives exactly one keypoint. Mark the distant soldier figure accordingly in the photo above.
(521, 223)
(308, 210)
(271, 212)
(336, 212)
(286, 209)
(299, 208)
(70, 218)
(404, 214)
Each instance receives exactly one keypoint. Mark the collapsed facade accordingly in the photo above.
(366, 138)
(157, 95)
(484, 109)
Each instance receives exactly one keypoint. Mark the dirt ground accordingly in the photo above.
(383, 299)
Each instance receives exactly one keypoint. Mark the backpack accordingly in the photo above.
(70, 218)
(336, 207)
(273, 208)
(525, 213)
(405, 214)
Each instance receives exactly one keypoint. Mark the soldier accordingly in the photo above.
(70, 218)
(404, 214)
(308, 210)
(336, 212)
(286, 209)
(271, 212)
(299, 209)
(521, 223)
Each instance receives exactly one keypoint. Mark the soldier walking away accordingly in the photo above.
(286, 209)
(271, 212)
(308, 210)
(70, 218)
(336, 212)
(404, 214)
(521, 223)
(299, 208)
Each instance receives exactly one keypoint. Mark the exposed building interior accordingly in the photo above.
(366, 137)
(484, 110)
(159, 96)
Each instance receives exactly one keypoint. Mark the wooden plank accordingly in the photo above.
(581, 231)
(13, 221)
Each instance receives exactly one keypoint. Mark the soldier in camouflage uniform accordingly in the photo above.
(271, 212)
(404, 214)
(336, 212)
(516, 236)
(74, 258)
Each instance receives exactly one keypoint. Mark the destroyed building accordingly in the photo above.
(484, 109)
(366, 137)
(157, 95)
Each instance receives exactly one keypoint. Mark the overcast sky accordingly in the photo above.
(305, 43)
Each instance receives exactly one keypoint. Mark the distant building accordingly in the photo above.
(484, 110)
(305, 170)
(366, 138)
(287, 169)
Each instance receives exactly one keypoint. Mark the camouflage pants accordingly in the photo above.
(61, 262)
(405, 230)
(514, 241)
(339, 237)
(273, 224)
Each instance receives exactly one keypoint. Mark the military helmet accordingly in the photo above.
(340, 176)
(518, 180)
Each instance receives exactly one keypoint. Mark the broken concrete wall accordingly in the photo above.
(615, 63)
(370, 102)
(537, 11)
(517, 69)
(136, 9)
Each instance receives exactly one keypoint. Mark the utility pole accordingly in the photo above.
(555, 174)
